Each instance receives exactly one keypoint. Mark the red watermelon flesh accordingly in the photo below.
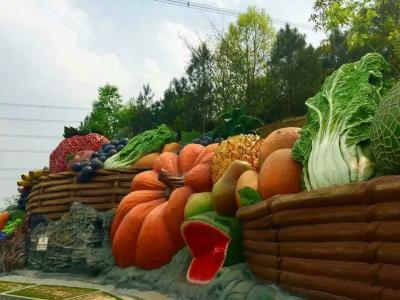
(208, 246)
(58, 158)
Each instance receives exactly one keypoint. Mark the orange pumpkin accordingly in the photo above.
(146, 227)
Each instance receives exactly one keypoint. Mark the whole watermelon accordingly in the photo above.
(385, 139)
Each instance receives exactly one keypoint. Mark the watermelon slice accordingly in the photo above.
(214, 241)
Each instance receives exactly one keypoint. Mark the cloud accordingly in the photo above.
(52, 40)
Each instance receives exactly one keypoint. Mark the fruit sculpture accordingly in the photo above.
(72, 145)
(244, 147)
(146, 227)
(214, 241)
(279, 174)
(278, 139)
(223, 192)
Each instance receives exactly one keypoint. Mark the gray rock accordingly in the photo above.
(77, 243)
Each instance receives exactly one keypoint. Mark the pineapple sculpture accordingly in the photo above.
(239, 147)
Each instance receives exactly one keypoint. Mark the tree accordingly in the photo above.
(294, 75)
(374, 24)
(141, 108)
(241, 58)
(335, 51)
(104, 115)
(199, 99)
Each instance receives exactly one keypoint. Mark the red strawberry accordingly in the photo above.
(72, 145)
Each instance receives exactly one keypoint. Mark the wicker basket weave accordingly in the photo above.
(333, 243)
(55, 193)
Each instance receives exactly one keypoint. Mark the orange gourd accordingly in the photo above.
(146, 227)
(279, 139)
(279, 174)
(4, 217)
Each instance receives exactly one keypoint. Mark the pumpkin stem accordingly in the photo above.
(171, 181)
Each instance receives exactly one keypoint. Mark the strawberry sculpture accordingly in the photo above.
(74, 142)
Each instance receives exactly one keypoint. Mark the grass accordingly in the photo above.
(51, 292)
(11, 286)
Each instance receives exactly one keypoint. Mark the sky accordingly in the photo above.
(57, 53)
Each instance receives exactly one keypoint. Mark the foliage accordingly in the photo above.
(294, 75)
(188, 136)
(241, 59)
(104, 117)
(235, 121)
(374, 24)
(339, 123)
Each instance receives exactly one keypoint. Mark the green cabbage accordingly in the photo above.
(144, 143)
(334, 146)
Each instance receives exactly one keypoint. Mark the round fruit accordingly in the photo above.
(85, 163)
(278, 139)
(76, 167)
(248, 178)
(97, 164)
(120, 147)
(104, 145)
(108, 148)
(171, 147)
(111, 152)
(95, 154)
(87, 170)
(244, 147)
(279, 174)
(114, 142)
(103, 158)
(124, 141)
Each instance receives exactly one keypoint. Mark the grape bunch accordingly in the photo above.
(87, 168)
(206, 139)
(23, 196)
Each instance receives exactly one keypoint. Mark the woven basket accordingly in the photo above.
(334, 243)
(55, 193)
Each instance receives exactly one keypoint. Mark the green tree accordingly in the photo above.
(374, 24)
(142, 115)
(241, 59)
(199, 100)
(294, 75)
(335, 51)
(105, 110)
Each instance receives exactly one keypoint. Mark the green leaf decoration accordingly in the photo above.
(249, 196)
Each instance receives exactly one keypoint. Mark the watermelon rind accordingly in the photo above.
(228, 227)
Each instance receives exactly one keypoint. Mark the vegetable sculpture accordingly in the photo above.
(334, 146)
(385, 138)
(146, 228)
(140, 145)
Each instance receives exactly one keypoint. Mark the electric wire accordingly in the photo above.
(38, 120)
(229, 12)
(43, 106)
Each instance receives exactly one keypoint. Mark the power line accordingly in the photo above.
(24, 151)
(229, 12)
(38, 120)
(43, 106)
(27, 136)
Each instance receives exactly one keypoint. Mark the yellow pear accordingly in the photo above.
(223, 192)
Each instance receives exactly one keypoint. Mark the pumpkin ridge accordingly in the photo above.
(125, 239)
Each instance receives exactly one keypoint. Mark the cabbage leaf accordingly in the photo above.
(334, 145)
